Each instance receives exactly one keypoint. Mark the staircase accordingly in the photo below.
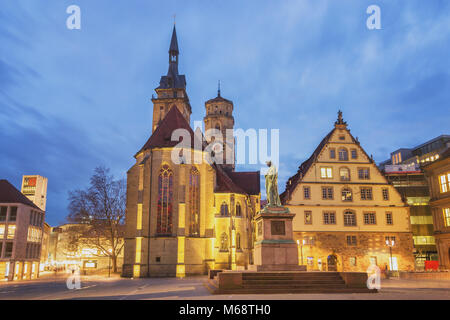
(288, 282)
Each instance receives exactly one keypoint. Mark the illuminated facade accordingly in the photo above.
(67, 249)
(34, 187)
(346, 211)
(21, 229)
(186, 217)
(438, 175)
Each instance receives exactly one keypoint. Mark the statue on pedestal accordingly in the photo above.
(273, 198)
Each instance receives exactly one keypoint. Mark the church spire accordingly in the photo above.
(173, 50)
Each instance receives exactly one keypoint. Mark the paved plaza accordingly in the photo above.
(51, 287)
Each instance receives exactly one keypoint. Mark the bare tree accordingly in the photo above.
(100, 211)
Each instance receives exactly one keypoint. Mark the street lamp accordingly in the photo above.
(390, 244)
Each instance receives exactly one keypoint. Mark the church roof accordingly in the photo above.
(9, 194)
(162, 137)
(237, 182)
(219, 99)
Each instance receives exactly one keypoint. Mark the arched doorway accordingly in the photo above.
(332, 262)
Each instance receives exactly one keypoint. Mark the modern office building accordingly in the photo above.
(34, 187)
(21, 228)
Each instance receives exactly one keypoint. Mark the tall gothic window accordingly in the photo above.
(194, 202)
(165, 201)
(224, 209)
(224, 242)
(238, 210)
(238, 241)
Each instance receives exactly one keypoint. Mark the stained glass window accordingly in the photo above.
(194, 202)
(165, 201)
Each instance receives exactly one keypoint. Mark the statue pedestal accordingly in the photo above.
(275, 248)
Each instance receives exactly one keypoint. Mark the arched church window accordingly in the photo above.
(343, 154)
(224, 242)
(238, 241)
(224, 209)
(238, 210)
(194, 202)
(165, 201)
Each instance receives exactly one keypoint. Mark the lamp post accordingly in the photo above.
(390, 244)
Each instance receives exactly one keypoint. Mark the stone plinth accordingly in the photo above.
(275, 249)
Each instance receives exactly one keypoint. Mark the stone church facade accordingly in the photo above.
(186, 217)
(346, 210)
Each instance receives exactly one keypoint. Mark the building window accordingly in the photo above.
(332, 153)
(308, 217)
(364, 173)
(238, 241)
(165, 201)
(224, 210)
(444, 182)
(3, 211)
(194, 202)
(307, 192)
(347, 194)
(1, 248)
(370, 218)
(349, 218)
(326, 172)
(447, 217)
(327, 193)
(11, 231)
(224, 242)
(354, 154)
(310, 261)
(329, 218)
(353, 261)
(366, 193)
(343, 154)
(12, 214)
(351, 240)
(2, 231)
(389, 219)
(385, 192)
(238, 210)
(8, 249)
(341, 137)
(344, 173)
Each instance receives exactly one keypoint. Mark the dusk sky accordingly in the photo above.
(72, 100)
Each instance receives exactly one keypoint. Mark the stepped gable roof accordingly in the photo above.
(9, 194)
(162, 137)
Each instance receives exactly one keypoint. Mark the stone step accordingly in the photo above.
(291, 282)
(317, 290)
(292, 278)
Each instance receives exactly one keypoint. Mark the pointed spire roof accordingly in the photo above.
(162, 136)
(174, 42)
(9, 194)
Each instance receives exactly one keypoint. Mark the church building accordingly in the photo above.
(348, 216)
(186, 217)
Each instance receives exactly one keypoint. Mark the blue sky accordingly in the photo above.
(71, 100)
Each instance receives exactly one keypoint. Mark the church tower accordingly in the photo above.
(172, 89)
(219, 115)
